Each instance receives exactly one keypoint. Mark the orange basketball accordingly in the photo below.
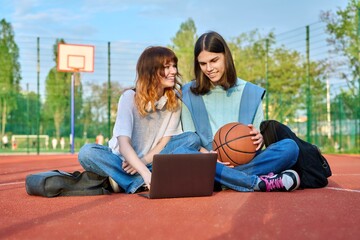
(233, 144)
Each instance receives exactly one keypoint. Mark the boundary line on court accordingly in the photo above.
(343, 189)
(346, 174)
(330, 188)
(11, 183)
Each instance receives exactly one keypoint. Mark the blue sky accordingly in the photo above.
(142, 22)
(157, 20)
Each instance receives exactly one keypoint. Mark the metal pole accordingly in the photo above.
(28, 118)
(308, 93)
(72, 137)
(328, 108)
(281, 109)
(38, 98)
(109, 92)
(267, 78)
(357, 116)
(315, 128)
(340, 123)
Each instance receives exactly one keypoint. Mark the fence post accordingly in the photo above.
(357, 116)
(308, 93)
(109, 92)
(38, 97)
(267, 77)
(28, 118)
(281, 109)
(340, 123)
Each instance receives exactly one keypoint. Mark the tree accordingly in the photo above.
(57, 101)
(248, 50)
(94, 110)
(184, 42)
(344, 29)
(286, 80)
(9, 72)
(21, 120)
(286, 72)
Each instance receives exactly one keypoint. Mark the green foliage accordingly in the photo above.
(286, 72)
(9, 72)
(344, 29)
(286, 80)
(183, 47)
(248, 50)
(345, 110)
(286, 85)
(22, 119)
(95, 108)
(56, 112)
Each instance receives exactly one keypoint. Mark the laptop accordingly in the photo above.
(182, 175)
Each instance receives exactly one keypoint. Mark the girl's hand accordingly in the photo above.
(258, 138)
(128, 168)
(147, 179)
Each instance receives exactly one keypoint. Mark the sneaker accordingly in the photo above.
(285, 181)
(114, 185)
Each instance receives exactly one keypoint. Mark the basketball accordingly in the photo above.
(233, 144)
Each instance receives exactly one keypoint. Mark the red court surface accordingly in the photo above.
(328, 213)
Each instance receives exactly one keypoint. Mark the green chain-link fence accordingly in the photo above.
(322, 117)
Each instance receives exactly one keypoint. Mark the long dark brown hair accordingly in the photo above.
(213, 42)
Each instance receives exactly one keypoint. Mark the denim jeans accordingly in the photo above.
(275, 158)
(101, 160)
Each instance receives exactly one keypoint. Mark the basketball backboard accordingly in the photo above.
(75, 58)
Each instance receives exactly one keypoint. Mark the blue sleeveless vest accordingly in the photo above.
(200, 117)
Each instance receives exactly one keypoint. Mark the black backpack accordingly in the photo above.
(311, 165)
(59, 183)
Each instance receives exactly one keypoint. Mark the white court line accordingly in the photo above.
(346, 174)
(343, 189)
(11, 183)
(331, 188)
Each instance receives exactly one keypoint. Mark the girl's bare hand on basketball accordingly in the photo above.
(128, 168)
(258, 138)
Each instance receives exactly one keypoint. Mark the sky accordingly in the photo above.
(157, 20)
(149, 22)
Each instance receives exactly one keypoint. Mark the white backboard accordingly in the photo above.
(75, 58)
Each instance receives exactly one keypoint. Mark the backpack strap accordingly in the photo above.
(250, 100)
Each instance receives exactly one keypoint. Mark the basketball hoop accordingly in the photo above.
(75, 58)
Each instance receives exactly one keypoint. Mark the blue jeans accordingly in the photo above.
(275, 158)
(101, 160)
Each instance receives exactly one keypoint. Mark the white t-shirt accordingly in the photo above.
(144, 132)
